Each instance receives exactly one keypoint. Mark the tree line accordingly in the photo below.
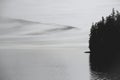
(105, 34)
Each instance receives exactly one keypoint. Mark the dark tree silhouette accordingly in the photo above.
(104, 43)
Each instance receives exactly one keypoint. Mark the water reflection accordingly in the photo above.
(102, 70)
(104, 76)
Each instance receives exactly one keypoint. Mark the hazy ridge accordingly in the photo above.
(23, 32)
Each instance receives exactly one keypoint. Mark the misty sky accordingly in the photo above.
(48, 63)
(78, 13)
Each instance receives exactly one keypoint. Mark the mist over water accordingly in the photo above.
(46, 40)
(43, 63)
(33, 50)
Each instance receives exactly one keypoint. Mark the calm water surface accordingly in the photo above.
(44, 64)
(18, 62)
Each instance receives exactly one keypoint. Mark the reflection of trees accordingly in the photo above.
(105, 34)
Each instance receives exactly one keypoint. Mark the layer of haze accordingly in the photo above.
(45, 39)
(80, 13)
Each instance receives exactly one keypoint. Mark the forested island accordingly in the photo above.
(104, 43)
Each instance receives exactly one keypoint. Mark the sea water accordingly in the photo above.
(46, 63)
(55, 55)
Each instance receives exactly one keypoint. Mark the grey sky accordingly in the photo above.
(48, 63)
(58, 11)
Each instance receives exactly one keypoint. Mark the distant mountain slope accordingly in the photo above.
(54, 30)
(10, 26)
(23, 33)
